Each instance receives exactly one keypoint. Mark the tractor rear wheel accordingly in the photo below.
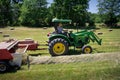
(58, 47)
(3, 66)
(87, 49)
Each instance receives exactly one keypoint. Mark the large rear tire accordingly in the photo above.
(58, 47)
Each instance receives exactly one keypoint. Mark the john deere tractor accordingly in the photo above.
(59, 43)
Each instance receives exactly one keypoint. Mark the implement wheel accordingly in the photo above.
(58, 47)
(3, 67)
(87, 49)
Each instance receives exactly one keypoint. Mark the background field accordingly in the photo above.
(103, 70)
(110, 40)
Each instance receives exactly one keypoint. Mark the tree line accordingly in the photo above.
(37, 13)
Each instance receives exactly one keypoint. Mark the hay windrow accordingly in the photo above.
(76, 58)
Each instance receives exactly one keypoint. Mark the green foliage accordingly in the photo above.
(33, 13)
(76, 10)
(5, 12)
(118, 18)
(15, 13)
(36, 12)
(96, 17)
(109, 9)
(91, 20)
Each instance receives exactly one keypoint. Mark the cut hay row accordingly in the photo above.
(77, 58)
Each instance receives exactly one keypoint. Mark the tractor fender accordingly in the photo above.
(59, 36)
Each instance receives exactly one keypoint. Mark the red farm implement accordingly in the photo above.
(10, 55)
(11, 52)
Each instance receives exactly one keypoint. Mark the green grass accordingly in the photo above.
(110, 40)
(103, 70)
(74, 71)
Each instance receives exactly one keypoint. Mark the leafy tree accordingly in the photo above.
(98, 18)
(71, 9)
(5, 12)
(34, 12)
(9, 12)
(91, 20)
(119, 18)
(109, 9)
(49, 17)
(15, 13)
(95, 17)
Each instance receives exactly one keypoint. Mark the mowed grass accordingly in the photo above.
(103, 70)
(73, 71)
(110, 40)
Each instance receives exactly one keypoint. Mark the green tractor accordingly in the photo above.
(59, 43)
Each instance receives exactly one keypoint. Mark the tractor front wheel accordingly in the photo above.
(87, 49)
(58, 47)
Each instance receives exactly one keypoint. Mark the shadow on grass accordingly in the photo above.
(70, 52)
(10, 70)
(14, 69)
(36, 54)
(39, 52)
(79, 51)
(74, 52)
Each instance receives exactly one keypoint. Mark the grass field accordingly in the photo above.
(106, 70)
(110, 40)
(103, 70)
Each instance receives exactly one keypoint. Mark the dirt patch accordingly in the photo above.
(76, 58)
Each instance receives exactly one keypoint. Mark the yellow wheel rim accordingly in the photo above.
(59, 48)
(87, 50)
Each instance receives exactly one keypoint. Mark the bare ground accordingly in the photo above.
(115, 56)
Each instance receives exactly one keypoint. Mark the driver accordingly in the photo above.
(59, 28)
